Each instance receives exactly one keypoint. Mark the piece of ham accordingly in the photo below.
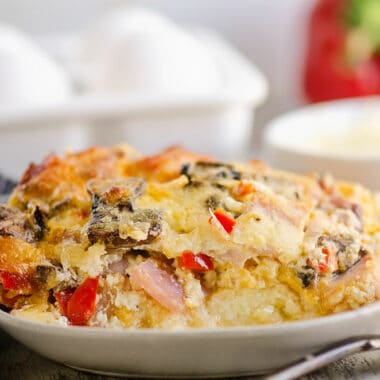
(159, 284)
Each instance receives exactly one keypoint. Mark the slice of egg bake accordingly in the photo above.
(107, 237)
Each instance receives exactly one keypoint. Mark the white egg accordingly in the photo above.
(116, 23)
(28, 76)
(136, 50)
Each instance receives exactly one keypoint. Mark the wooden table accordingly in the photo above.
(19, 363)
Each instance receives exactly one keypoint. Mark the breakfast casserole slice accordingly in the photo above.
(110, 238)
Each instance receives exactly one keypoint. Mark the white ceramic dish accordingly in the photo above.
(189, 353)
(219, 123)
(292, 141)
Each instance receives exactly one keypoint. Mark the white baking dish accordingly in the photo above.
(218, 123)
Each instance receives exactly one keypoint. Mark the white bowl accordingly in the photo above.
(340, 137)
(189, 353)
(136, 50)
(29, 77)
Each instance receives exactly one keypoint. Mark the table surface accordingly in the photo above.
(19, 363)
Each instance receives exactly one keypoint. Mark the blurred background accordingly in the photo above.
(210, 75)
(271, 33)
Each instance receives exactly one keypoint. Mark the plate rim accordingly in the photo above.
(195, 332)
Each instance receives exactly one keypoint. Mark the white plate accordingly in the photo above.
(189, 353)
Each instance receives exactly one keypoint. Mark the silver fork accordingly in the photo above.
(327, 355)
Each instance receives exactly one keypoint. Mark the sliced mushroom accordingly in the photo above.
(38, 223)
(209, 171)
(113, 191)
(124, 229)
(44, 275)
(15, 223)
(114, 219)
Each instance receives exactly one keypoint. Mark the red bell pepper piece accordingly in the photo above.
(16, 281)
(81, 305)
(337, 65)
(324, 264)
(63, 297)
(199, 262)
(330, 260)
(227, 221)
